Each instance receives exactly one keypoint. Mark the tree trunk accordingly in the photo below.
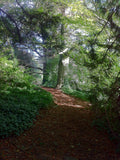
(45, 72)
(61, 70)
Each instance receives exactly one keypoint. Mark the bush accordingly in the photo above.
(18, 109)
(84, 95)
(20, 100)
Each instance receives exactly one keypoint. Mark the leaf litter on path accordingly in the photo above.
(60, 133)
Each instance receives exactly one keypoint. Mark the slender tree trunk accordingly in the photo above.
(61, 71)
(60, 78)
(45, 63)
(45, 72)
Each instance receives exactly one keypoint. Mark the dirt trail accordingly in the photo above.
(61, 133)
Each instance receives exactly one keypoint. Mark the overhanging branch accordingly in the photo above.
(13, 21)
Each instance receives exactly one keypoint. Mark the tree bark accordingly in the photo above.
(61, 70)
(45, 72)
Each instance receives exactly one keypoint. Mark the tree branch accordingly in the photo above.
(13, 21)
(34, 67)
(24, 11)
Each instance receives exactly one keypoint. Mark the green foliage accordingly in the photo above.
(18, 109)
(84, 95)
(13, 76)
(103, 62)
(20, 100)
(91, 33)
(107, 119)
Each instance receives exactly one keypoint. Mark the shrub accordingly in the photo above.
(20, 101)
(84, 95)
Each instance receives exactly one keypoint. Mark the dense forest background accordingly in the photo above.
(71, 45)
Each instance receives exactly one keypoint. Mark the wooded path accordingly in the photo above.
(63, 132)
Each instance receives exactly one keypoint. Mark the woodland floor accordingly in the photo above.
(60, 133)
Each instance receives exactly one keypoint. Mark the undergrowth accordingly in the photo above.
(83, 95)
(20, 100)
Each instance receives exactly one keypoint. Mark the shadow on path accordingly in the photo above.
(61, 133)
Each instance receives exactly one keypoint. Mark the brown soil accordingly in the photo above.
(63, 132)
